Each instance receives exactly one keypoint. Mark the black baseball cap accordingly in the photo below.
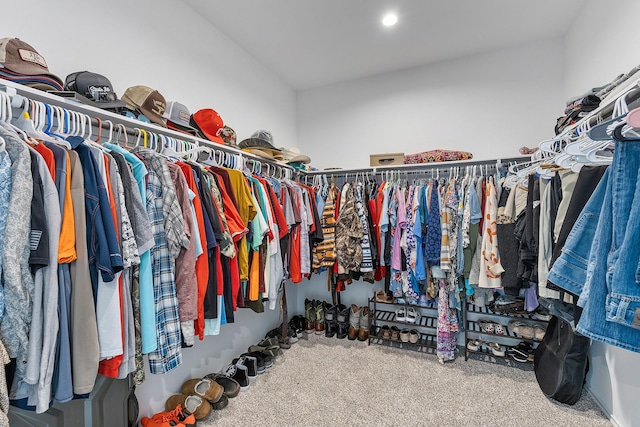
(95, 87)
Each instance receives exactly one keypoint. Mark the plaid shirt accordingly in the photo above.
(173, 219)
(168, 355)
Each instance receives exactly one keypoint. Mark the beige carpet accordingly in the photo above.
(328, 382)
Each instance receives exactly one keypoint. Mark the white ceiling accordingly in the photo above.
(311, 43)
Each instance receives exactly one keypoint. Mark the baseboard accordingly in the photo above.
(603, 408)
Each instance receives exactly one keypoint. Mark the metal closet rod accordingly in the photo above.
(129, 124)
(443, 167)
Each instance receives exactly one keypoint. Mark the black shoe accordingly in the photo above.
(238, 373)
(252, 366)
(230, 386)
(222, 403)
(331, 327)
(330, 311)
(343, 322)
(297, 324)
(264, 361)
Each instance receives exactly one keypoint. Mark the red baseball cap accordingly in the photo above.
(209, 123)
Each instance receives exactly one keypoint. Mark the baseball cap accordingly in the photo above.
(178, 117)
(228, 135)
(148, 101)
(261, 139)
(209, 123)
(20, 58)
(95, 87)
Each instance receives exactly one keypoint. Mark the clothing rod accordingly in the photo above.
(419, 167)
(130, 124)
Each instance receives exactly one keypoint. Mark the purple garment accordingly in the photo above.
(434, 230)
(401, 224)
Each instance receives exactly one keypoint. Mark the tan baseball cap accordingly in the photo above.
(19, 57)
(149, 101)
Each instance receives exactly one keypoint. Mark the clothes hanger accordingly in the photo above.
(8, 117)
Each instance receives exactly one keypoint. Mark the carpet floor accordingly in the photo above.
(327, 382)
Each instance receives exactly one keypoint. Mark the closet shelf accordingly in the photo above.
(485, 311)
(487, 356)
(426, 344)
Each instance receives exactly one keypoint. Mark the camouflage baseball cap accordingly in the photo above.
(228, 135)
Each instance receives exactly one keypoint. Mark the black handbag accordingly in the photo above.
(560, 362)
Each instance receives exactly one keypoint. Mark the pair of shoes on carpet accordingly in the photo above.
(314, 316)
(197, 396)
(336, 320)
(284, 342)
(358, 323)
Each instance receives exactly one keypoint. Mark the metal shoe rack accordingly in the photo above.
(472, 330)
(383, 313)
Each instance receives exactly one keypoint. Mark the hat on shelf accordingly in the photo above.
(209, 123)
(260, 153)
(21, 63)
(95, 88)
(261, 140)
(229, 137)
(148, 101)
(293, 155)
(178, 116)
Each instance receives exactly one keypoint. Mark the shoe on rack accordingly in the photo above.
(363, 330)
(178, 417)
(496, 349)
(412, 315)
(401, 315)
(523, 329)
(196, 405)
(252, 366)
(395, 333)
(319, 317)
(404, 335)
(343, 321)
(474, 344)
(309, 315)
(414, 336)
(354, 322)
(238, 373)
(203, 387)
(383, 297)
(540, 331)
(230, 386)
(422, 301)
(522, 353)
(385, 332)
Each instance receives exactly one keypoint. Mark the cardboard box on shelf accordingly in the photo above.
(386, 159)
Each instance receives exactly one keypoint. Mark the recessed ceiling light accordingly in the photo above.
(390, 19)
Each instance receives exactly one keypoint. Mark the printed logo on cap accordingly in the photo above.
(30, 56)
(158, 107)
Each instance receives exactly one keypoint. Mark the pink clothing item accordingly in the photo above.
(401, 224)
(490, 268)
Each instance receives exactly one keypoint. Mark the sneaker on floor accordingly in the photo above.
(354, 322)
(178, 417)
(251, 364)
(230, 386)
(202, 387)
(193, 404)
(265, 361)
(260, 366)
(238, 373)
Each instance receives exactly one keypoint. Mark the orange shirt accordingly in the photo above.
(67, 247)
(48, 157)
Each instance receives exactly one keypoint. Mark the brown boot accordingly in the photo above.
(319, 318)
(363, 332)
(354, 322)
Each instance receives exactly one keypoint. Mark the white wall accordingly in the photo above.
(601, 44)
(165, 45)
(489, 104)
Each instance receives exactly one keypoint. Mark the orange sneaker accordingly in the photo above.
(176, 418)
